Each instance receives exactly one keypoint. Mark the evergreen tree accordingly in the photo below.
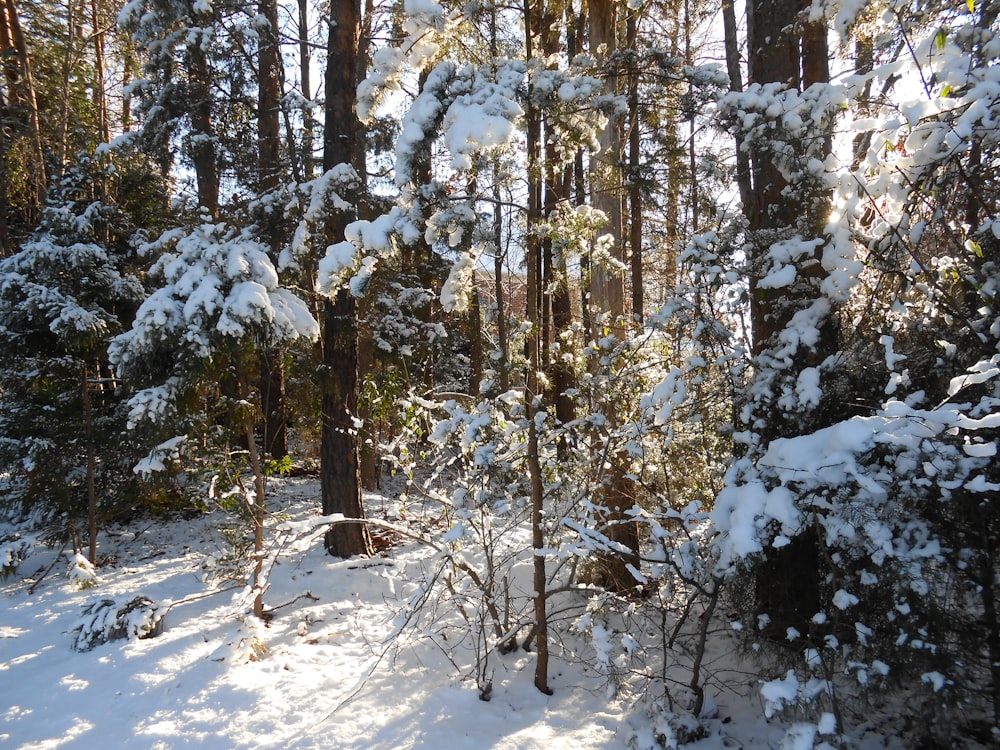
(63, 296)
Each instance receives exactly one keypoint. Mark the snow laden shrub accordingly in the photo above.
(219, 295)
(80, 572)
(14, 549)
(649, 638)
(110, 619)
(64, 295)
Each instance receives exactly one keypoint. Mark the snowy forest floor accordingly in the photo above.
(329, 678)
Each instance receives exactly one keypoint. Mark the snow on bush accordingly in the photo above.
(81, 571)
(13, 551)
(219, 289)
(109, 619)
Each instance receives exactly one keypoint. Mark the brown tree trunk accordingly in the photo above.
(576, 183)
(476, 354)
(269, 77)
(533, 251)
(557, 314)
(608, 288)
(203, 153)
(100, 93)
(305, 65)
(607, 285)
(340, 476)
(88, 431)
(129, 64)
(774, 57)
(258, 504)
(6, 242)
(736, 84)
(503, 337)
(339, 467)
(786, 50)
(634, 180)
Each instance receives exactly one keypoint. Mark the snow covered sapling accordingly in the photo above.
(107, 619)
(219, 303)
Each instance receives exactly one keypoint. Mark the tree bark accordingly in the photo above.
(88, 432)
(476, 353)
(6, 242)
(203, 153)
(269, 77)
(608, 288)
(305, 74)
(607, 285)
(557, 315)
(532, 345)
(736, 84)
(785, 49)
(634, 178)
(69, 56)
(339, 467)
(100, 68)
(503, 337)
(340, 476)
(774, 58)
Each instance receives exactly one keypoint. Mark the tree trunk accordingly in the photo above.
(608, 288)
(785, 51)
(736, 84)
(272, 389)
(634, 178)
(532, 345)
(203, 153)
(503, 337)
(6, 242)
(88, 432)
(258, 504)
(269, 77)
(100, 93)
(339, 468)
(475, 321)
(340, 479)
(607, 285)
(305, 65)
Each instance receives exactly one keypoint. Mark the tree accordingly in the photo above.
(196, 90)
(269, 166)
(63, 296)
(340, 467)
(218, 306)
(786, 214)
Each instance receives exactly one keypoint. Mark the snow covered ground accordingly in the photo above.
(192, 685)
(329, 678)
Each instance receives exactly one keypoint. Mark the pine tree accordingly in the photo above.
(63, 296)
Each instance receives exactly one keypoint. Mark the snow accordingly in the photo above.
(779, 693)
(218, 284)
(843, 599)
(326, 679)
(338, 667)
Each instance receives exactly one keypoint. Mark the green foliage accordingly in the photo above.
(62, 297)
(278, 467)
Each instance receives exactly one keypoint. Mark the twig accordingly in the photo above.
(307, 595)
(196, 597)
(31, 589)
